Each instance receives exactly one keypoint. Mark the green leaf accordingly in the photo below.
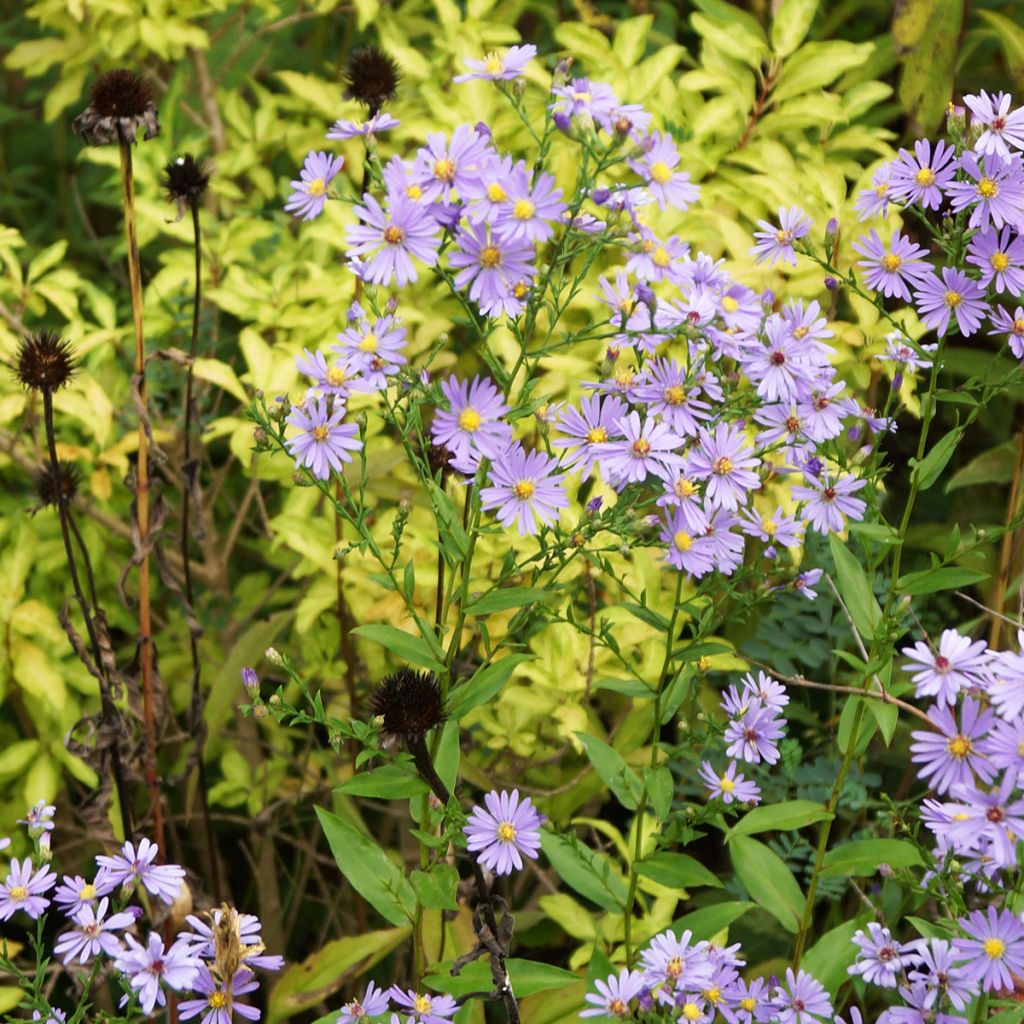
(631, 39)
(996, 466)
(732, 39)
(660, 788)
(435, 889)
(709, 921)
(677, 871)
(927, 471)
(627, 687)
(829, 957)
(380, 881)
(646, 615)
(613, 771)
(784, 817)
(868, 725)
(926, 34)
(485, 683)
(45, 260)
(854, 588)
(527, 978)
(388, 782)
(454, 541)
(816, 65)
(591, 874)
(930, 581)
(770, 883)
(886, 716)
(503, 598)
(863, 856)
(406, 646)
(790, 24)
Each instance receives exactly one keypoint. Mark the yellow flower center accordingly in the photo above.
(674, 967)
(925, 177)
(880, 190)
(781, 236)
(960, 816)
(1018, 327)
(523, 489)
(597, 435)
(625, 378)
(496, 193)
(1020, 749)
(319, 433)
(726, 785)
(729, 304)
(414, 192)
(1000, 261)
(18, 893)
(682, 540)
(506, 830)
(641, 447)
(495, 65)
(994, 948)
(675, 395)
(713, 995)
(218, 1000)
(469, 419)
(953, 299)
(490, 256)
(801, 332)
(316, 187)
(891, 262)
(582, 97)
(421, 1004)
(519, 289)
(748, 1004)
(661, 257)
(661, 172)
(444, 170)
(87, 892)
(685, 488)
(703, 663)
(959, 746)
(336, 375)
(394, 235)
(723, 465)
(691, 1011)
(368, 344)
(769, 527)
(987, 188)
(523, 210)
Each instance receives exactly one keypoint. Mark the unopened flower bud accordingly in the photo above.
(361, 420)
(519, 88)
(391, 306)
(273, 655)
(600, 196)
(561, 74)
(831, 283)
(250, 681)
(562, 122)
(703, 663)
(259, 710)
(594, 505)
(645, 293)
(897, 380)
(45, 853)
(259, 436)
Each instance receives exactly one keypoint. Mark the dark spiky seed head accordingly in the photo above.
(45, 361)
(50, 481)
(439, 458)
(371, 76)
(409, 703)
(185, 180)
(120, 93)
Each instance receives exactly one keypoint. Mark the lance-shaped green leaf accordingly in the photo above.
(865, 856)
(590, 873)
(784, 817)
(405, 646)
(613, 771)
(485, 683)
(770, 883)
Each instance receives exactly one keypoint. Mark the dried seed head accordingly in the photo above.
(51, 480)
(120, 102)
(45, 361)
(439, 458)
(409, 704)
(371, 76)
(185, 180)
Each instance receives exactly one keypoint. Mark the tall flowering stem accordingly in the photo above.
(142, 494)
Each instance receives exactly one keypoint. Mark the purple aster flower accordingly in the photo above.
(655, 260)
(729, 786)
(309, 193)
(507, 829)
(668, 394)
(151, 968)
(1000, 255)
(75, 893)
(373, 1003)
(769, 691)
(874, 202)
(1001, 125)
(889, 269)
(373, 351)
(990, 820)
(526, 490)
(801, 1000)
(805, 583)
(581, 98)
(775, 243)
(203, 944)
(443, 167)
(938, 971)
(959, 663)
(1004, 746)
(726, 461)
(492, 265)
(646, 447)
(780, 366)
(1012, 326)
(752, 736)
(133, 865)
(993, 193)
(777, 528)
(994, 948)
(334, 378)
(398, 181)
(898, 351)
(432, 1009)
(529, 208)
(725, 545)
(250, 681)
(746, 1002)
(823, 413)
(674, 964)
(668, 185)
(596, 422)
(684, 535)
(920, 177)
(881, 959)
(472, 424)
(219, 1000)
(93, 934)
(828, 500)
(495, 68)
(393, 237)
(23, 889)
(380, 122)
(54, 1016)
(613, 996)
(954, 755)
(324, 444)
(39, 819)
(919, 1008)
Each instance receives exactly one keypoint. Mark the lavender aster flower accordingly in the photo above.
(380, 122)
(684, 535)
(373, 1003)
(525, 489)
(219, 1000)
(939, 298)
(881, 959)
(203, 943)
(23, 889)
(325, 442)
(938, 971)
(1001, 125)
(472, 425)
(668, 394)
(613, 996)
(802, 1000)
(993, 194)
(39, 818)
(752, 736)
(919, 1008)
(874, 201)
(393, 237)
(775, 243)
(1000, 255)
(726, 461)
(729, 786)
(492, 264)
(332, 379)
(769, 691)
(506, 830)
(920, 177)
(1013, 326)
(954, 755)
(529, 208)
(746, 1002)
(646, 447)
(74, 894)
(432, 1009)
(888, 269)
(592, 425)
(958, 664)
(668, 186)
(309, 193)
(805, 583)
(442, 167)
(994, 948)
(495, 68)
(93, 934)
(898, 351)
(373, 351)
(151, 968)
(828, 500)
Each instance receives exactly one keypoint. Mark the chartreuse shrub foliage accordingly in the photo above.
(591, 435)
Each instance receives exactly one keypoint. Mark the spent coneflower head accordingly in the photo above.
(371, 76)
(50, 481)
(409, 704)
(120, 102)
(185, 180)
(45, 362)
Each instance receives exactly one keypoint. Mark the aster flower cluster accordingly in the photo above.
(415, 1007)
(696, 981)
